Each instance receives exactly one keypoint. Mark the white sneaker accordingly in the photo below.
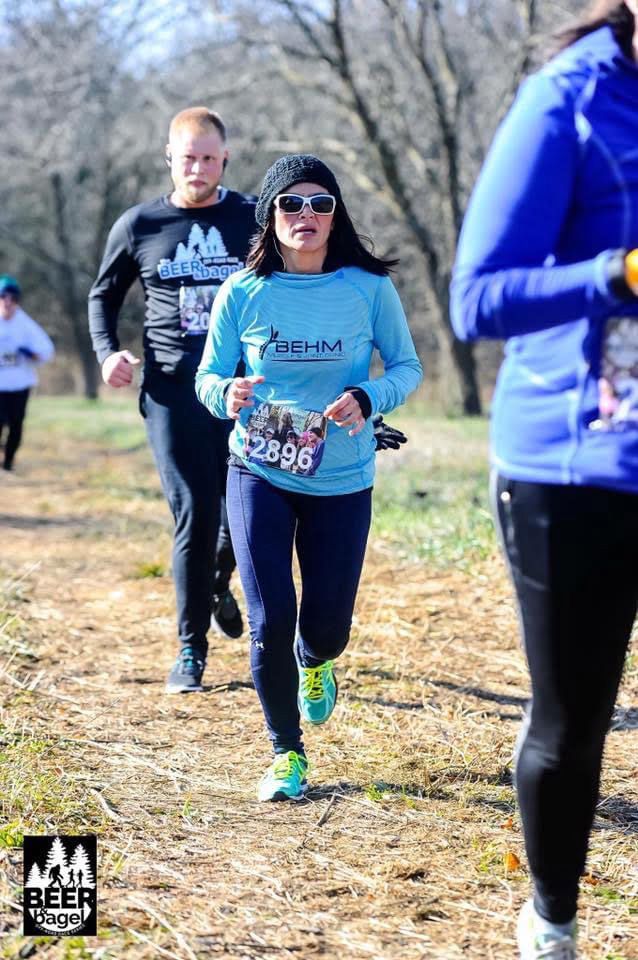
(540, 940)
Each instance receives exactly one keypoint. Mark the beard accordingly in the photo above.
(197, 194)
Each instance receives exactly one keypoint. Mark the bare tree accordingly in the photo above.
(77, 139)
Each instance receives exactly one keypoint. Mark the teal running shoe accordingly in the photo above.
(285, 778)
(317, 690)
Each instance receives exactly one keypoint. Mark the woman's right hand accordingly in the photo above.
(239, 394)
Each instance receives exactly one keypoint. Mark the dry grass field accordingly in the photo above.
(409, 845)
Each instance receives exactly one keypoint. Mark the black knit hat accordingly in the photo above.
(291, 169)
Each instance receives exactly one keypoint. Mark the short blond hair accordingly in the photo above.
(198, 118)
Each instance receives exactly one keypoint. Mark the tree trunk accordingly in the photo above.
(74, 306)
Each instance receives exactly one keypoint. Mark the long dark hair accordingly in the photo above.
(601, 13)
(346, 248)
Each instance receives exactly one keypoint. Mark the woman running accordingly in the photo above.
(542, 263)
(305, 317)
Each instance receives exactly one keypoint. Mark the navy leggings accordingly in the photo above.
(330, 535)
(572, 554)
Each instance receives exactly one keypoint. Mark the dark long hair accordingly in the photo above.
(601, 13)
(346, 248)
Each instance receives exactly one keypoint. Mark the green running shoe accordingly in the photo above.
(285, 778)
(317, 690)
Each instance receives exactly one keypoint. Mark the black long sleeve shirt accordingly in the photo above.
(181, 256)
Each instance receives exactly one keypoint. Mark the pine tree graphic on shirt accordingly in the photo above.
(201, 246)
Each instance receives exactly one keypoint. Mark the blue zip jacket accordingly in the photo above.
(310, 335)
(557, 196)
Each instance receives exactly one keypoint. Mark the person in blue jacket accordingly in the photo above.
(305, 317)
(544, 262)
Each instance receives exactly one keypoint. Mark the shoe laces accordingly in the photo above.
(188, 658)
(287, 764)
(313, 680)
(562, 949)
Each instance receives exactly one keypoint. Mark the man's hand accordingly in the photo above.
(387, 437)
(239, 394)
(117, 370)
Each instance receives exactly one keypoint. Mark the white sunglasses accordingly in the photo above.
(322, 204)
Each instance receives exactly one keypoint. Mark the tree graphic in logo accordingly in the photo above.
(60, 890)
(273, 336)
(200, 245)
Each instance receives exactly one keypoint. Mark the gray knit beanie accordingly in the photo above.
(291, 169)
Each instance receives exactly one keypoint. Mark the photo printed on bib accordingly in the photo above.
(286, 437)
(195, 305)
(618, 381)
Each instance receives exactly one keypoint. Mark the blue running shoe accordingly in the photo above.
(317, 690)
(186, 675)
(285, 778)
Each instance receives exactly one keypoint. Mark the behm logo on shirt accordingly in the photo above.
(60, 895)
(289, 351)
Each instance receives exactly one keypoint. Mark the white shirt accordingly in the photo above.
(17, 371)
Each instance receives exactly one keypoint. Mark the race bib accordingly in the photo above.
(195, 304)
(618, 382)
(286, 438)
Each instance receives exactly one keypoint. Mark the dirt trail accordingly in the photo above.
(402, 850)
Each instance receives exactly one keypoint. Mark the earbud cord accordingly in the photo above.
(274, 240)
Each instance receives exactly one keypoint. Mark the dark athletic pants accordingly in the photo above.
(191, 449)
(13, 408)
(572, 553)
(330, 535)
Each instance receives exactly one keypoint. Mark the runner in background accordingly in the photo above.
(23, 345)
(304, 317)
(543, 264)
(181, 247)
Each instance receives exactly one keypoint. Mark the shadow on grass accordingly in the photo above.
(477, 692)
(617, 813)
(481, 694)
(31, 523)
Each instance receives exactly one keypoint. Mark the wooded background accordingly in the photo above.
(400, 97)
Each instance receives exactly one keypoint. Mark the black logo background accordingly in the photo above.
(60, 886)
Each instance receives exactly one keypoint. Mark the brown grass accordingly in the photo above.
(409, 844)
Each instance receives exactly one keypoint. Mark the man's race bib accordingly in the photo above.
(286, 438)
(195, 304)
(8, 359)
(618, 382)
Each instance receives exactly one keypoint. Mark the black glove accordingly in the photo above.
(387, 437)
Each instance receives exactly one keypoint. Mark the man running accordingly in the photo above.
(181, 247)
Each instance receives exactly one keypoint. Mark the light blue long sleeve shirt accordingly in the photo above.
(310, 336)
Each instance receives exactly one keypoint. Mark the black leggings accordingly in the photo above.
(572, 554)
(13, 408)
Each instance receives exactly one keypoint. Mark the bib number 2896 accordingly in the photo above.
(285, 457)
